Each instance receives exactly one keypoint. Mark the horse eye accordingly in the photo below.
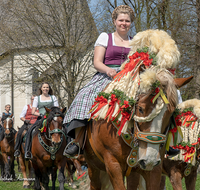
(140, 110)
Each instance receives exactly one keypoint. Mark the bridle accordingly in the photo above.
(7, 125)
(56, 130)
(150, 137)
(53, 148)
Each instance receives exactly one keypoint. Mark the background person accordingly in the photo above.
(45, 99)
(27, 117)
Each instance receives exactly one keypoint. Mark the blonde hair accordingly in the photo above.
(125, 9)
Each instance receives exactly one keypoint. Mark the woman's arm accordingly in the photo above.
(99, 54)
(33, 111)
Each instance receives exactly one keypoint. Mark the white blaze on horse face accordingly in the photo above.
(55, 118)
(156, 126)
(151, 157)
(7, 120)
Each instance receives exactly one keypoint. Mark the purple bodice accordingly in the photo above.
(115, 55)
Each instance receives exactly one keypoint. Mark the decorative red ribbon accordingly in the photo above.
(111, 107)
(134, 60)
(173, 131)
(125, 118)
(101, 101)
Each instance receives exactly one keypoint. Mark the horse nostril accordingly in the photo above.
(157, 163)
(142, 164)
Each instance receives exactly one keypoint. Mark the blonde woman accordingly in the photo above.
(110, 52)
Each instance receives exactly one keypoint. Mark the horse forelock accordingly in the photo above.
(54, 110)
(167, 82)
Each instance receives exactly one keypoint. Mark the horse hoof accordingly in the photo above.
(26, 186)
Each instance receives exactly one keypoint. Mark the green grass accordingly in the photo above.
(17, 185)
(169, 186)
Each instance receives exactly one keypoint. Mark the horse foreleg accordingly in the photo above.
(133, 181)
(61, 177)
(153, 178)
(6, 165)
(114, 171)
(45, 180)
(38, 177)
(162, 183)
(23, 170)
(190, 180)
(175, 179)
(12, 169)
(94, 175)
(54, 176)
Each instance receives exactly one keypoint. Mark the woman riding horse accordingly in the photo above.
(110, 52)
(45, 99)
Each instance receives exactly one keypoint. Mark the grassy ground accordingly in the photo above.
(169, 186)
(17, 185)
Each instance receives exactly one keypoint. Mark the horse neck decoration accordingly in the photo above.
(47, 149)
(187, 119)
(52, 130)
(139, 103)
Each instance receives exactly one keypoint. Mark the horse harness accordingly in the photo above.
(131, 139)
(7, 127)
(51, 149)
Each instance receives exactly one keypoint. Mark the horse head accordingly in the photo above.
(55, 123)
(8, 125)
(153, 111)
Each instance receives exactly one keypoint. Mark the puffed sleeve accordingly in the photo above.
(102, 40)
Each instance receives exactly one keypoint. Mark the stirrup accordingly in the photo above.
(17, 153)
(28, 157)
(73, 142)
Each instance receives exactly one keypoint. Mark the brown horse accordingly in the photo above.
(25, 165)
(7, 147)
(176, 171)
(72, 166)
(185, 164)
(47, 149)
(105, 151)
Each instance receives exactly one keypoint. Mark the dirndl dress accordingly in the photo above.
(78, 113)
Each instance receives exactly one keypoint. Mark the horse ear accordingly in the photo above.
(11, 115)
(63, 110)
(179, 82)
(142, 68)
(47, 109)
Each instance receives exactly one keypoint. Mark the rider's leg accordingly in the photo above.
(19, 141)
(74, 149)
(28, 143)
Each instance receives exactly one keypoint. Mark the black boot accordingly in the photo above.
(19, 140)
(71, 150)
(28, 143)
(172, 151)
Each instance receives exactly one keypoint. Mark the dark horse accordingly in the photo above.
(7, 147)
(108, 153)
(47, 148)
(25, 165)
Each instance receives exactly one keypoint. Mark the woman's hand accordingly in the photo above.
(111, 72)
(99, 53)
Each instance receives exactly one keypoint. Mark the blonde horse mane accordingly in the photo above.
(158, 42)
